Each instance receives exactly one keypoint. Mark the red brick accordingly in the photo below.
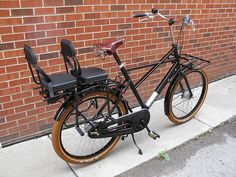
(34, 35)
(21, 44)
(33, 20)
(18, 129)
(48, 26)
(5, 30)
(17, 68)
(63, 10)
(5, 99)
(32, 100)
(12, 104)
(30, 130)
(65, 25)
(16, 116)
(46, 41)
(59, 32)
(3, 133)
(76, 17)
(24, 108)
(22, 95)
(92, 16)
(6, 46)
(18, 82)
(75, 30)
(24, 28)
(81, 9)
(13, 54)
(92, 2)
(53, 3)
(4, 13)
(9, 4)
(8, 62)
(8, 125)
(21, 12)
(12, 37)
(30, 3)
(44, 11)
(73, 2)
(10, 21)
(46, 115)
(27, 120)
(117, 7)
(55, 18)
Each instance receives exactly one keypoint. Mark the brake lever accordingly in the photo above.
(193, 25)
(162, 16)
(145, 19)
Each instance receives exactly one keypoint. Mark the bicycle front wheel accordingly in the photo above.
(187, 96)
(67, 141)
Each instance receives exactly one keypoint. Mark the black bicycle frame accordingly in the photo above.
(172, 72)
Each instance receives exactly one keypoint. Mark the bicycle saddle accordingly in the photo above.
(109, 47)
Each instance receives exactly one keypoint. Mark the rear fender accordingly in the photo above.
(62, 108)
(69, 102)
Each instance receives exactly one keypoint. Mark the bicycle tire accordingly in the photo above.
(57, 139)
(178, 91)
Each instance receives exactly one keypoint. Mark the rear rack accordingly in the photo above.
(193, 62)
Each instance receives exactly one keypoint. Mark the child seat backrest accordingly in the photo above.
(32, 63)
(68, 53)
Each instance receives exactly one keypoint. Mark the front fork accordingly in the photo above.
(187, 84)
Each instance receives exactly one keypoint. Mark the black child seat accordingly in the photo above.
(84, 75)
(51, 85)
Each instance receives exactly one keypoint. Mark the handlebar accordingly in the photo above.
(155, 12)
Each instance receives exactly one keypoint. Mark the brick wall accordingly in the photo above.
(43, 23)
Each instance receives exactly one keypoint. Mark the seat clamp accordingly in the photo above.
(121, 65)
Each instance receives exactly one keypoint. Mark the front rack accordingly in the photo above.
(193, 62)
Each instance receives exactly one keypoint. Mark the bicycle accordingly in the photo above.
(95, 116)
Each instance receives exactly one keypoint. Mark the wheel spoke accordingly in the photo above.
(83, 147)
(187, 95)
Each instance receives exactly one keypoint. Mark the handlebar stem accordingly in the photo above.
(172, 34)
(171, 22)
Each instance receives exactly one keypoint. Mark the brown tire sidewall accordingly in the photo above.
(171, 116)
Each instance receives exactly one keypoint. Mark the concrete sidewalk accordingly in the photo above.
(37, 158)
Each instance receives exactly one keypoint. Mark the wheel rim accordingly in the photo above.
(83, 147)
(183, 104)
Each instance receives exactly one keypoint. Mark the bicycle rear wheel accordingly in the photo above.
(187, 96)
(70, 145)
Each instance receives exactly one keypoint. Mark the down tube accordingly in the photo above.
(173, 70)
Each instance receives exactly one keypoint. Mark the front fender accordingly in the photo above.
(172, 83)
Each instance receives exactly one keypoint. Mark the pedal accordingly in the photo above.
(79, 130)
(153, 135)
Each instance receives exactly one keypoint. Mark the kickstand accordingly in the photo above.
(139, 150)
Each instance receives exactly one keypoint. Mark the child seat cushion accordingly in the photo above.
(92, 74)
(60, 81)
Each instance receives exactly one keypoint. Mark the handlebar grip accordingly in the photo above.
(139, 15)
(155, 11)
(186, 20)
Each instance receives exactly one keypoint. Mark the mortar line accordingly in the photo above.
(203, 122)
(76, 175)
